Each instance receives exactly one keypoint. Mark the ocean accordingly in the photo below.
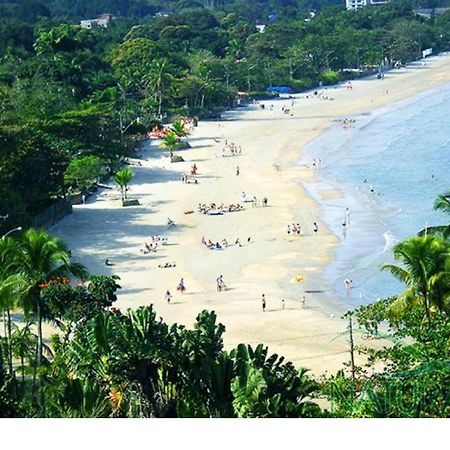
(389, 169)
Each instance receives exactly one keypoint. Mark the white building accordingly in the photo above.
(100, 22)
(353, 5)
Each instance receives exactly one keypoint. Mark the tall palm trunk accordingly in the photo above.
(9, 343)
(22, 365)
(39, 351)
(39, 330)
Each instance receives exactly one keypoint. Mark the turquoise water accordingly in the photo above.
(403, 153)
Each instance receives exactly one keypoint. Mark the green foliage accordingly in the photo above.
(426, 272)
(65, 304)
(83, 172)
(179, 128)
(122, 178)
(134, 365)
(170, 142)
(330, 77)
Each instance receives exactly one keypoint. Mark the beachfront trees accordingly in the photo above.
(122, 178)
(442, 203)
(135, 365)
(179, 128)
(426, 272)
(158, 81)
(170, 142)
(11, 287)
(83, 172)
(42, 259)
(406, 375)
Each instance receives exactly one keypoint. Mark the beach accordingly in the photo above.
(311, 333)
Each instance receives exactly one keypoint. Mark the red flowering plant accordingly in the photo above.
(67, 305)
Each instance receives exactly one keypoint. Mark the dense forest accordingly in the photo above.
(72, 97)
(73, 104)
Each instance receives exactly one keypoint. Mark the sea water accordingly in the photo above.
(388, 169)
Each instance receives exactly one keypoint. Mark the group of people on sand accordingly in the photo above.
(231, 149)
(214, 208)
(186, 179)
(149, 248)
(286, 110)
(283, 303)
(153, 246)
(253, 200)
(294, 230)
(224, 244)
(323, 95)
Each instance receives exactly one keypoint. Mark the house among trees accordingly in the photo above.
(352, 5)
(101, 21)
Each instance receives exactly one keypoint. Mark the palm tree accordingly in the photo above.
(122, 178)
(170, 142)
(179, 128)
(158, 79)
(425, 270)
(43, 258)
(266, 386)
(12, 285)
(442, 203)
(23, 342)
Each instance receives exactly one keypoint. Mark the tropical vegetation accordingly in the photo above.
(73, 104)
(74, 101)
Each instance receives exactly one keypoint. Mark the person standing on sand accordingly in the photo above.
(344, 227)
(237, 171)
(315, 228)
(263, 302)
(282, 304)
(181, 287)
(168, 296)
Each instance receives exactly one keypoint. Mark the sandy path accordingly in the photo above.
(271, 143)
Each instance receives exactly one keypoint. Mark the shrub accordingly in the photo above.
(330, 77)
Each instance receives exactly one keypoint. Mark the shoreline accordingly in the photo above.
(375, 234)
(271, 145)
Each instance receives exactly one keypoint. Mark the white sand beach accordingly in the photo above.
(308, 335)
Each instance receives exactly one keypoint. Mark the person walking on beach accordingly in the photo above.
(303, 301)
(282, 304)
(344, 228)
(219, 283)
(237, 170)
(263, 302)
(168, 296)
(181, 287)
(315, 228)
(265, 201)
